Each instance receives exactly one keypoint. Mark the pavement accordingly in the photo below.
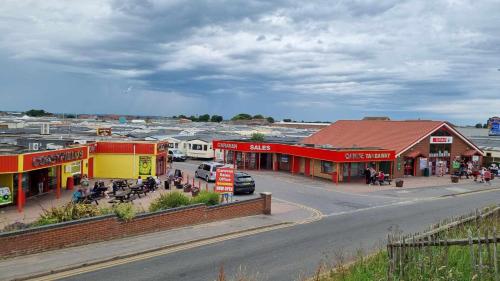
(283, 214)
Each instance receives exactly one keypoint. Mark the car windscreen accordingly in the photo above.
(244, 179)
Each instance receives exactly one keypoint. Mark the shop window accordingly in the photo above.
(326, 167)
(284, 158)
(176, 145)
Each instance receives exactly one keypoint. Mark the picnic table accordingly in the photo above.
(138, 190)
(122, 184)
(122, 197)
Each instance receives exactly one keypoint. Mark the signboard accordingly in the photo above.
(52, 158)
(475, 158)
(104, 132)
(145, 165)
(441, 140)
(224, 180)
(5, 196)
(495, 129)
(308, 152)
(162, 147)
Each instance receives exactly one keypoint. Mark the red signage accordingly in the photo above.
(46, 159)
(441, 139)
(224, 180)
(162, 147)
(333, 155)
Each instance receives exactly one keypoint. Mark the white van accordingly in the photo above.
(176, 155)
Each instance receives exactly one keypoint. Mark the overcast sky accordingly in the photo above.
(306, 60)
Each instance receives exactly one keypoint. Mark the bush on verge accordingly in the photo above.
(206, 197)
(125, 211)
(170, 200)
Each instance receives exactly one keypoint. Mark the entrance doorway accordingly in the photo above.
(266, 161)
(353, 171)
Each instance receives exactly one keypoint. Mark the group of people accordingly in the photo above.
(100, 190)
(483, 174)
(374, 177)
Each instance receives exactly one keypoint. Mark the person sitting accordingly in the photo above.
(114, 187)
(77, 196)
(381, 178)
(151, 184)
(139, 180)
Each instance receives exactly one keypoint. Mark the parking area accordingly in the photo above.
(332, 199)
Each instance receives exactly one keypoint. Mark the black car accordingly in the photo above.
(243, 183)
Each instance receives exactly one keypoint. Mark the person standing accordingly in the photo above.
(367, 175)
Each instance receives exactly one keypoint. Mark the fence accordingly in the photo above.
(437, 255)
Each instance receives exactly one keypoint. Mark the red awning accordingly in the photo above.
(414, 154)
(470, 152)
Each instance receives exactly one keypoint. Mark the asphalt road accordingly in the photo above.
(287, 253)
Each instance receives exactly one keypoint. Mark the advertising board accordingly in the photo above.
(224, 180)
(5, 196)
(495, 129)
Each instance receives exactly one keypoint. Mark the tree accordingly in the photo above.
(37, 113)
(270, 119)
(71, 116)
(242, 116)
(216, 118)
(479, 125)
(485, 126)
(204, 118)
(258, 116)
(182, 116)
(257, 137)
(193, 118)
(287, 120)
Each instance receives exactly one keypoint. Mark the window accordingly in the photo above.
(185, 146)
(196, 146)
(206, 167)
(326, 167)
(214, 168)
(170, 145)
(205, 147)
(189, 146)
(176, 145)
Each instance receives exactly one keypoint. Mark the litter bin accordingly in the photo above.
(399, 183)
(70, 183)
(426, 172)
(167, 184)
(454, 179)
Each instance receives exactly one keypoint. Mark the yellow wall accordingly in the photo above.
(65, 175)
(6, 180)
(120, 166)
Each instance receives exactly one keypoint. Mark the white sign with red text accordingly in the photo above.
(441, 139)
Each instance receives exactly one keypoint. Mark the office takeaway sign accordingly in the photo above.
(224, 180)
(442, 140)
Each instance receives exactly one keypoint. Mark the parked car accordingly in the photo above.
(243, 183)
(176, 155)
(207, 170)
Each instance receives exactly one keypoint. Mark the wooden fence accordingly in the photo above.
(426, 256)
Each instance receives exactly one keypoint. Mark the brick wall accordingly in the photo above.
(109, 227)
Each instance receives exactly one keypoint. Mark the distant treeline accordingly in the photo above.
(218, 118)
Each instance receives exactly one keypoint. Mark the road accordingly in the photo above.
(350, 222)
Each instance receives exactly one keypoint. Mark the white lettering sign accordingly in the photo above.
(227, 145)
(362, 156)
(260, 147)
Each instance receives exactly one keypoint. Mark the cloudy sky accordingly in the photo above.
(306, 60)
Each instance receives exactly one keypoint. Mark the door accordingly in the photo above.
(307, 166)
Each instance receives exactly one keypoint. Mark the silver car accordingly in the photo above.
(207, 170)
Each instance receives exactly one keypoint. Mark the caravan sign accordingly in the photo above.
(224, 180)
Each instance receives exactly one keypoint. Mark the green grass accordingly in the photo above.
(426, 263)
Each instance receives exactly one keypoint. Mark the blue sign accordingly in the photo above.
(495, 129)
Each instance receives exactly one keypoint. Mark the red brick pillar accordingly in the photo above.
(267, 202)
(20, 193)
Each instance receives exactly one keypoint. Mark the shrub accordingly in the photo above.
(207, 198)
(170, 200)
(125, 211)
(68, 212)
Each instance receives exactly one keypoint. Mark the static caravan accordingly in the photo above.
(198, 148)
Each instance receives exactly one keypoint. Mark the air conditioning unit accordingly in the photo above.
(45, 130)
(34, 146)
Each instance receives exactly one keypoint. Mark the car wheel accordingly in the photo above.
(207, 179)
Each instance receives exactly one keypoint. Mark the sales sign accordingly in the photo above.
(441, 139)
(224, 180)
(495, 129)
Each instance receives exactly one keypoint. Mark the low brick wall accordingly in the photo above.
(91, 230)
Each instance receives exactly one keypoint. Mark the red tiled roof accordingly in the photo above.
(394, 135)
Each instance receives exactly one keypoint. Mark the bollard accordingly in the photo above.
(193, 182)
(206, 186)
(187, 179)
(199, 184)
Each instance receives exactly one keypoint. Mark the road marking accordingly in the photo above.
(316, 214)
(170, 250)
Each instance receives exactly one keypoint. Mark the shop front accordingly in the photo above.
(335, 164)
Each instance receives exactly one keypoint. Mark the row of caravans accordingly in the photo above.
(194, 147)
